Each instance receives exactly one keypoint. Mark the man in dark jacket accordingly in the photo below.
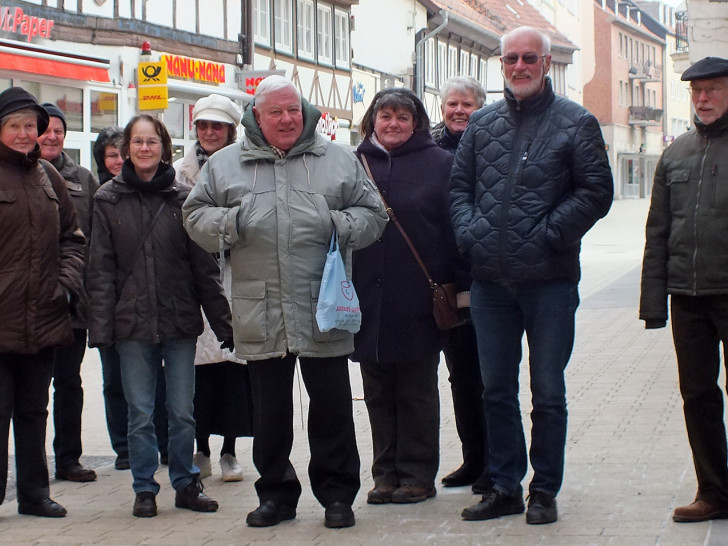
(686, 256)
(460, 96)
(67, 389)
(530, 178)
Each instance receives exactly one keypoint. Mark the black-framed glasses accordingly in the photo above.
(528, 58)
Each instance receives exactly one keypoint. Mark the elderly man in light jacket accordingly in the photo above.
(274, 201)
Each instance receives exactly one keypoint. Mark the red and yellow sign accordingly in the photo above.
(29, 26)
(152, 86)
(194, 69)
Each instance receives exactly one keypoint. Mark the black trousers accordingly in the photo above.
(334, 465)
(24, 382)
(466, 383)
(699, 326)
(68, 401)
(403, 402)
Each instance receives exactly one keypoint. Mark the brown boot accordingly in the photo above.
(700, 510)
(381, 494)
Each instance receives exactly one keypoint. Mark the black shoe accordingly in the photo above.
(495, 504)
(541, 508)
(339, 515)
(46, 508)
(75, 473)
(122, 463)
(145, 505)
(270, 513)
(465, 475)
(192, 498)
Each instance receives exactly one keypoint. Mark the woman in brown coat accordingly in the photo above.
(41, 258)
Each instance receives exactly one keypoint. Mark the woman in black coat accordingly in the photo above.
(399, 344)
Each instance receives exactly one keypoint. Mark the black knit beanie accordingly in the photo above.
(55, 112)
(14, 99)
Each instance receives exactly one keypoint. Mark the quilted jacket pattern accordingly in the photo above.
(530, 178)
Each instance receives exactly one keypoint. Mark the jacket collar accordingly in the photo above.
(718, 128)
(534, 104)
(19, 159)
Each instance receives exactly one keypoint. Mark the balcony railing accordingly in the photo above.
(644, 115)
(681, 32)
(647, 71)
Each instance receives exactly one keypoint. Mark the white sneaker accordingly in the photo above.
(231, 471)
(202, 461)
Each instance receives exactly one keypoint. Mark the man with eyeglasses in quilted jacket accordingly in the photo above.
(530, 178)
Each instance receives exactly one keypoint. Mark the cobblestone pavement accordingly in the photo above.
(628, 462)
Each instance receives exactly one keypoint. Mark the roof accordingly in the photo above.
(496, 17)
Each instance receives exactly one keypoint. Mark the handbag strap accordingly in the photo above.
(393, 217)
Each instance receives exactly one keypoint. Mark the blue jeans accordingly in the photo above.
(139, 364)
(545, 312)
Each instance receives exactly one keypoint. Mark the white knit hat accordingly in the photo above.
(217, 108)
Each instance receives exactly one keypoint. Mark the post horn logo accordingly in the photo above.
(151, 72)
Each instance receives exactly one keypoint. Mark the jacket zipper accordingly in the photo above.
(695, 217)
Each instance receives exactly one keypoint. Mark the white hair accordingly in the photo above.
(545, 40)
(270, 84)
(463, 84)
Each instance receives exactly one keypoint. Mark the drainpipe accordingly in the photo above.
(420, 79)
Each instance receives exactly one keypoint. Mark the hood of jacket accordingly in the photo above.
(102, 141)
(255, 146)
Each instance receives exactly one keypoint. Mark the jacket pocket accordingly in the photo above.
(250, 311)
(677, 181)
(7, 196)
(332, 335)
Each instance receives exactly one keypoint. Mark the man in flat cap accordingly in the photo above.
(686, 256)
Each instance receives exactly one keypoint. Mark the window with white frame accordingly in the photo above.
(324, 34)
(452, 61)
(441, 63)
(464, 63)
(430, 71)
(283, 25)
(305, 28)
(341, 38)
(261, 21)
(473, 72)
(483, 73)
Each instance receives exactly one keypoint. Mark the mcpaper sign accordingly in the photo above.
(152, 86)
(16, 21)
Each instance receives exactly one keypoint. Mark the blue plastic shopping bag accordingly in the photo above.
(338, 304)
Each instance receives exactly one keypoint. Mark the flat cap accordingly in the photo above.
(705, 69)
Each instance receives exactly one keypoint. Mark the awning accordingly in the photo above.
(36, 61)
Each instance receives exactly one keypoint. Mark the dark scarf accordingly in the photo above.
(202, 156)
(163, 178)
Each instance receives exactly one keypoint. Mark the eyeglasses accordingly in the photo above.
(114, 156)
(150, 142)
(528, 58)
(203, 125)
(711, 92)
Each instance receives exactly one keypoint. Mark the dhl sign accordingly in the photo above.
(194, 69)
(152, 86)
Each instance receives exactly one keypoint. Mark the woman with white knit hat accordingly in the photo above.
(223, 401)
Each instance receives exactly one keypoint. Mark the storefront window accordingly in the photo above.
(174, 119)
(68, 99)
(5, 83)
(104, 110)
